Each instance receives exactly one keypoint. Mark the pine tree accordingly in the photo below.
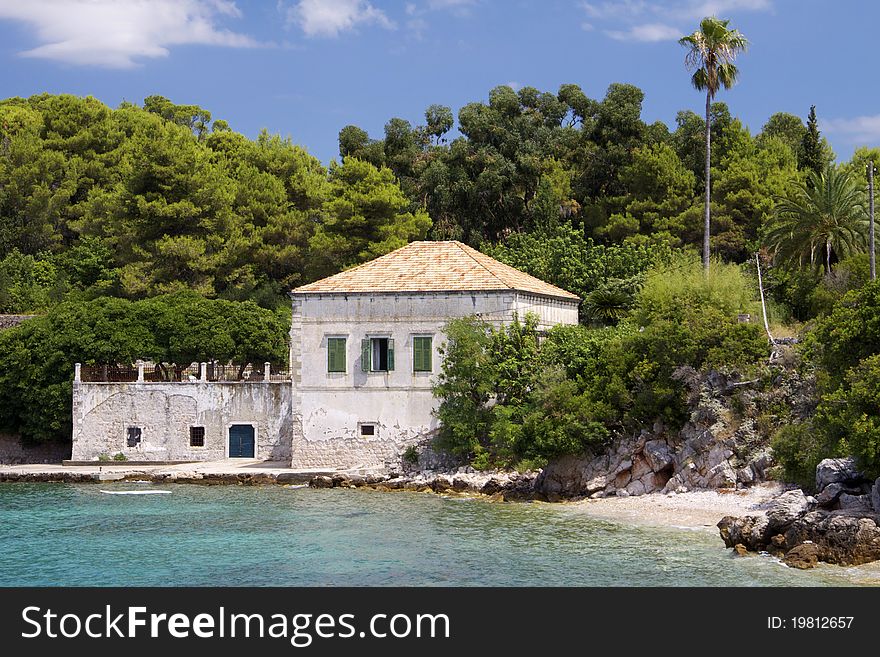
(810, 156)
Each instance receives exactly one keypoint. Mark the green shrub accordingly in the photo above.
(798, 448)
(411, 455)
(682, 285)
(849, 334)
(850, 416)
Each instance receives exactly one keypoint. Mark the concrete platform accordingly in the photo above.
(233, 471)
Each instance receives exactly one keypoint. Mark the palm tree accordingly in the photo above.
(711, 52)
(824, 213)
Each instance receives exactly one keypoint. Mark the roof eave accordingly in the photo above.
(346, 293)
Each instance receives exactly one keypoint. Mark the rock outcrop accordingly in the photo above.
(503, 485)
(841, 525)
(723, 445)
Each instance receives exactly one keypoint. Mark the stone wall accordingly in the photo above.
(14, 452)
(102, 413)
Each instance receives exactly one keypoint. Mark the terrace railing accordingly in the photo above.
(173, 373)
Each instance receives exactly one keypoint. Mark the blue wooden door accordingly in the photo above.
(241, 441)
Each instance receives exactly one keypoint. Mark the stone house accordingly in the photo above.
(364, 350)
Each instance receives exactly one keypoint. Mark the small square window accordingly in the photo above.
(368, 429)
(133, 436)
(197, 436)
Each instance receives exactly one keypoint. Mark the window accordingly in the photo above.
(377, 355)
(422, 348)
(335, 354)
(197, 436)
(133, 435)
(368, 429)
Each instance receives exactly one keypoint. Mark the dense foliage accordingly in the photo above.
(508, 397)
(37, 358)
(844, 350)
(135, 202)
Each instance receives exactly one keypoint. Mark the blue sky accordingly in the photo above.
(306, 68)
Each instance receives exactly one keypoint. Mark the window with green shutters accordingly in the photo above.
(422, 349)
(377, 355)
(335, 354)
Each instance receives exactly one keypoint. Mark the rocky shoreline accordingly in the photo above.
(840, 525)
(508, 486)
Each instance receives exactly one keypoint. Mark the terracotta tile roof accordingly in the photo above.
(433, 267)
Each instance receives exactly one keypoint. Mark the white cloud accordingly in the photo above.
(649, 21)
(856, 130)
(328, 18)
(115, 33)
(648, 33)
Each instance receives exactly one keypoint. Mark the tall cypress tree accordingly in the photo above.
(810, 155)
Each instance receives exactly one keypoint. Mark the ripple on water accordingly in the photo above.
(73, 535)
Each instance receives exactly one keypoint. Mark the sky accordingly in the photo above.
(307, 68)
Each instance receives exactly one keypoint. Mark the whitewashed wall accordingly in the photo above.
(165, 411)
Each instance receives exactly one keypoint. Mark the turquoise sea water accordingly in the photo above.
(74, 535)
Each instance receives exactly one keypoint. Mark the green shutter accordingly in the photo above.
(336, 354)
(365, 354)
(422, 354)
(390, 355)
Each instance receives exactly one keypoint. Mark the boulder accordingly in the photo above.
(857, 503)
(293, 478)
(321, 481)
(658, 455)
(803, 556)
(837, 471)
(652, 482)
(441, 483)
(494, 485)
(636, 488)
(745, 475)
(828, 497)
(841, 538)
(594, 485)
(750, 531)
(622, 479)
(785, 509)
(640, 467)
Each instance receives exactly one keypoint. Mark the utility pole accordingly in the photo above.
(871, 254)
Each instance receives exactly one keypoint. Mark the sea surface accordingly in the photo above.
(76, 535)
